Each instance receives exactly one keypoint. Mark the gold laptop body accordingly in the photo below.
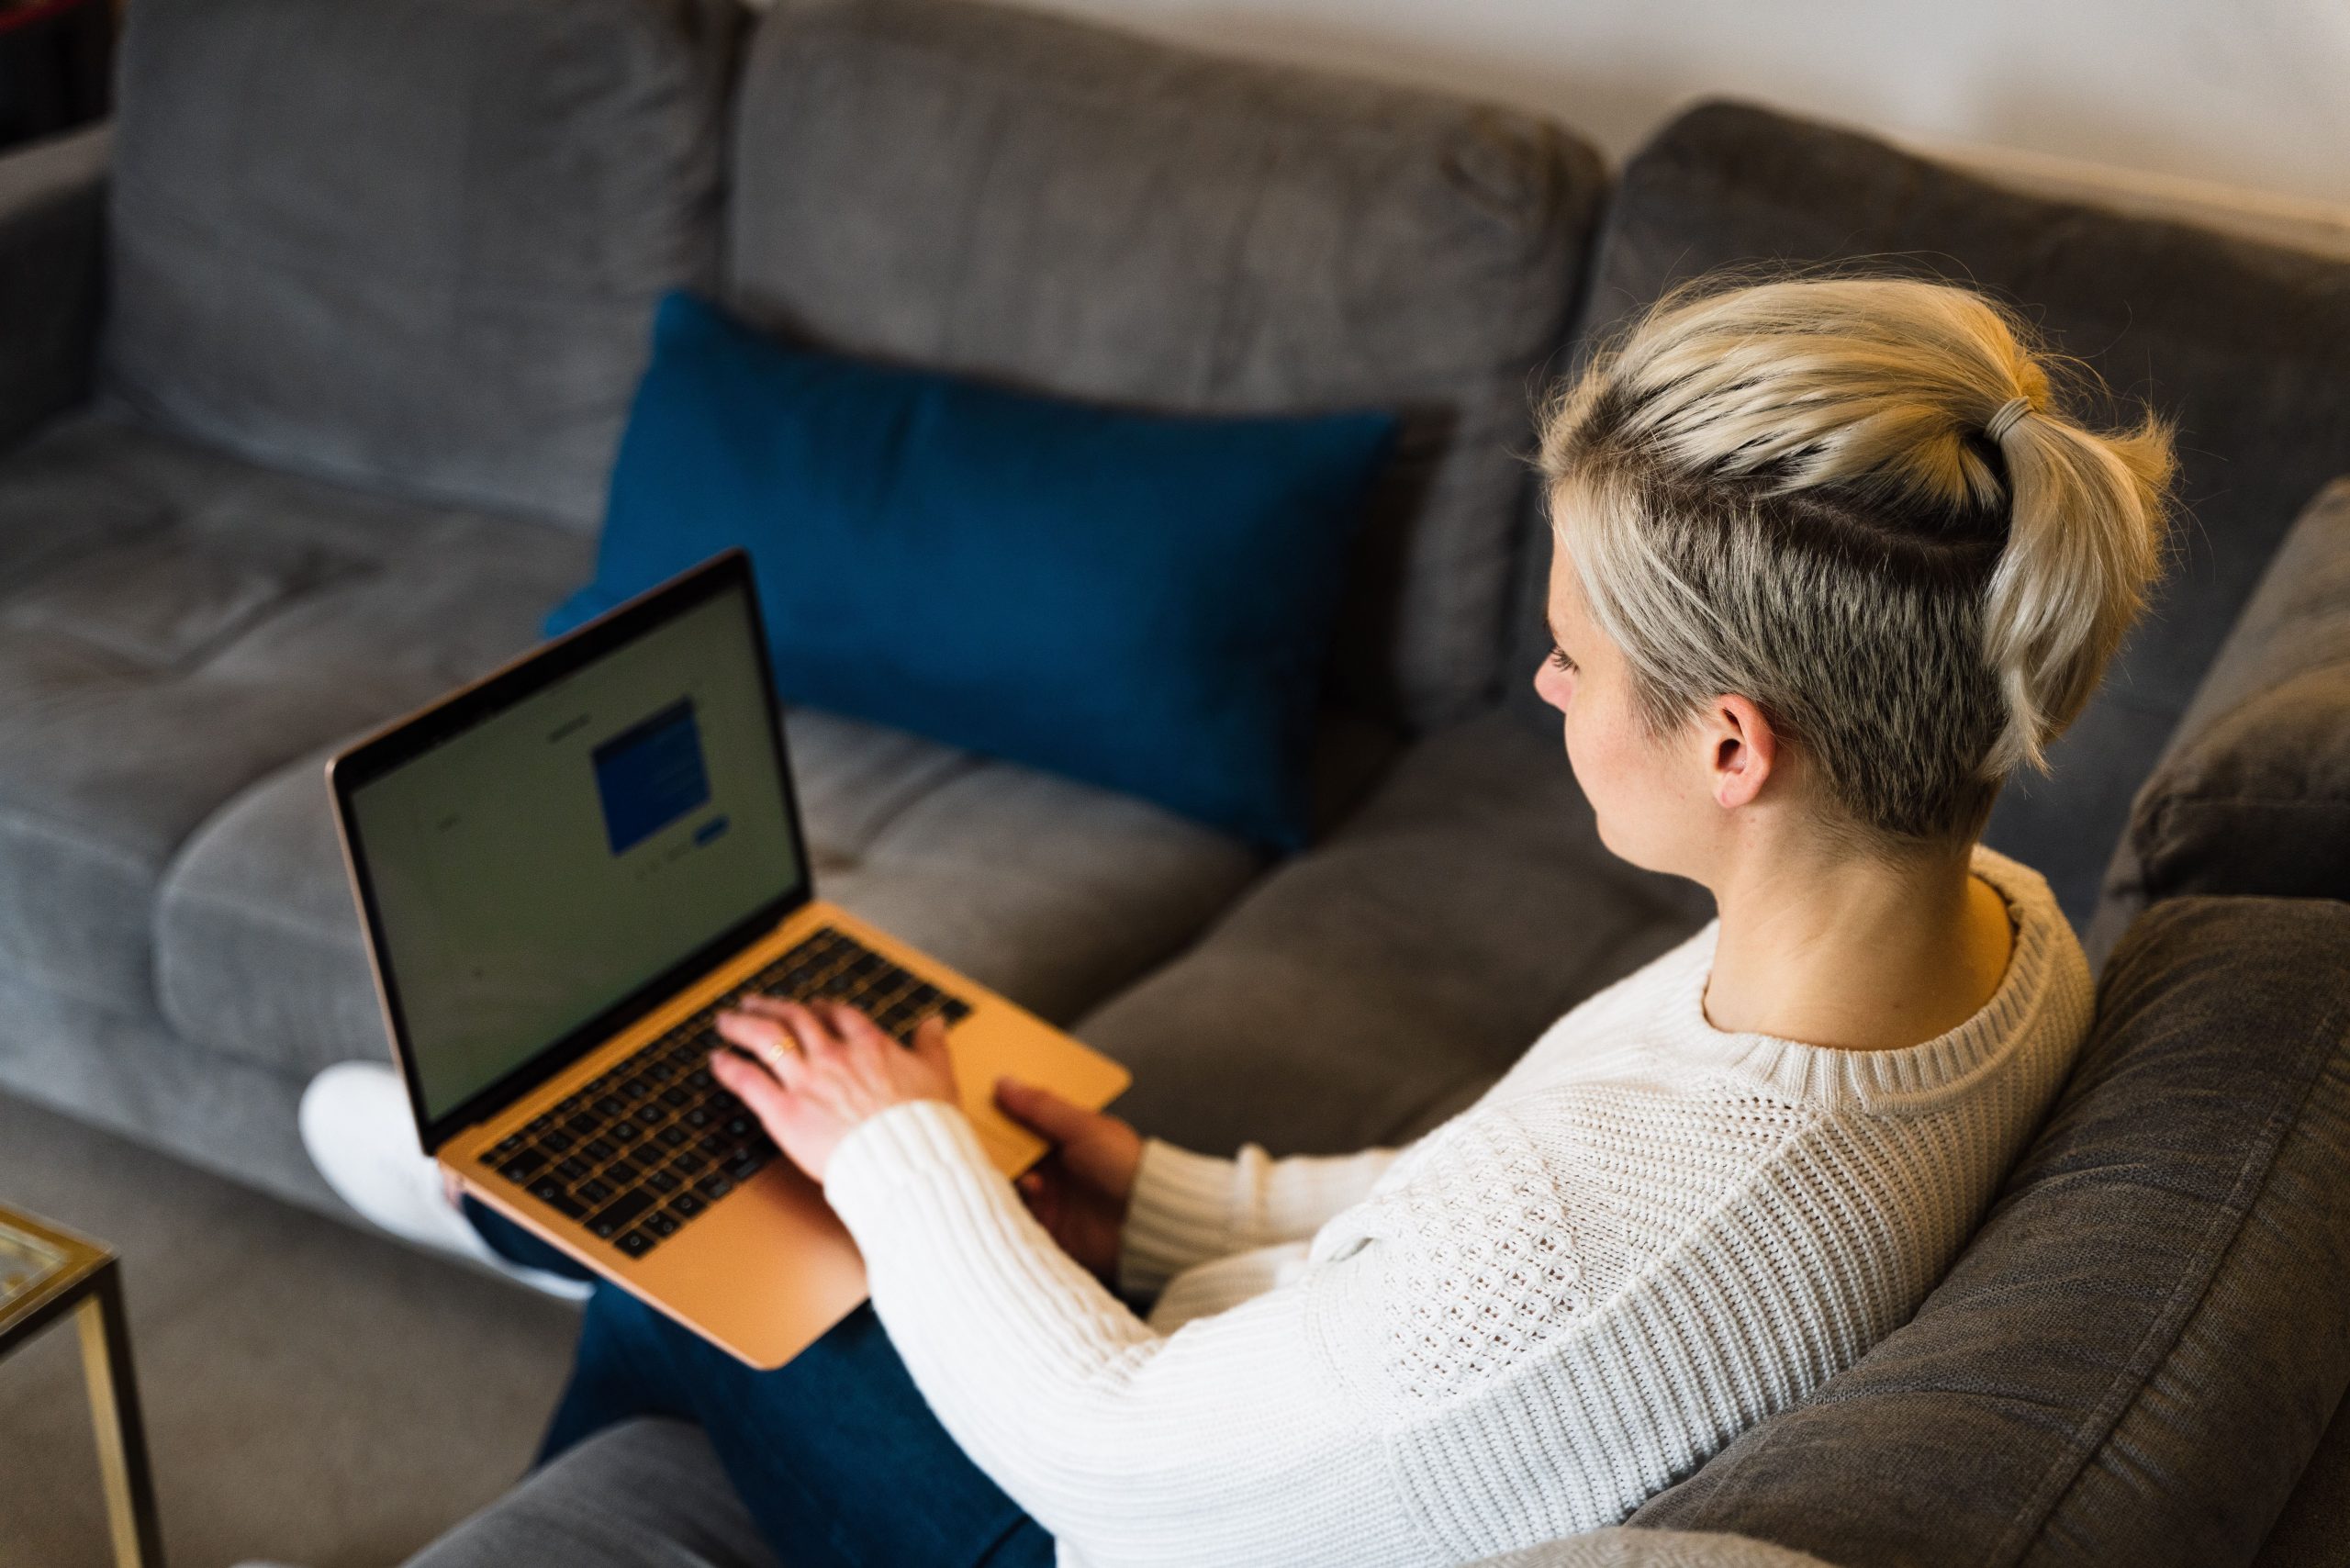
(762, 1268)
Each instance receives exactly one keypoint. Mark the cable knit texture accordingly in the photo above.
(1647, 1236)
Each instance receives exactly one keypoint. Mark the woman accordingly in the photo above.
(1830, 562)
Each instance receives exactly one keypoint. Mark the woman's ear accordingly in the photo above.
(1741, 750)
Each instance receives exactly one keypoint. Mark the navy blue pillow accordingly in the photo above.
(1139, 600)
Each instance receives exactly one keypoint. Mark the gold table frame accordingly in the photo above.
(87, 1281)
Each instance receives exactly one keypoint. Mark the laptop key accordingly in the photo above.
(661, 1181)
(686, 1204)
(747, 1164)
(571, 1169)
(673, 1135)
(690, 1164)
(664, 1225)
(635, 1243)
(619, 1213)
(713, 1187)
(523, 1166)
(558, 1141)
(593, 1191)
(549, 1192)
(596, 1150)
(624, 1132)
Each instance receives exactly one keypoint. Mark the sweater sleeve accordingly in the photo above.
(1187, 1208)
(1116, 1438)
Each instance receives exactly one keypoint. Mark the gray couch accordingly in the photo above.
(306, 399)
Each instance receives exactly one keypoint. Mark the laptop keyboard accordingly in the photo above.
(647, 1148)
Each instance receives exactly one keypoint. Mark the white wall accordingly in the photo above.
(2229, 102)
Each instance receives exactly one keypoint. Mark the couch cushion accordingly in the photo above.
(410, 243)
(1052, 893)
(2136, 1356)
(646, 1491)
(1366, 990)
(2253, 792)
(2247, 345)
(176, 624)
(1089, 214)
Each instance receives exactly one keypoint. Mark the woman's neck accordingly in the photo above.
(1854, 954)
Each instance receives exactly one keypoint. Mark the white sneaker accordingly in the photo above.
(357, 1126)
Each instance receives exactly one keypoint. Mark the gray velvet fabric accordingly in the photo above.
(174, 626)
(2253, 792)
(1624, 1548)
(1052, 893)
(53, 205)
(2247, 346)
(2313, 1531)
(412, 243)
(1089, 214)
(648, 1494)
(2135, 1358)
(132, 1075)
(1364, 990)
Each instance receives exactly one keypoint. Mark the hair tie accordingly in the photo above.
(2003, 421)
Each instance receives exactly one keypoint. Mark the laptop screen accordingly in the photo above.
(534, 867)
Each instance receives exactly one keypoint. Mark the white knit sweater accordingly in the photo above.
(1647, 1236)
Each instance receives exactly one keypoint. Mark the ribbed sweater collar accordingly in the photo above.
(1880, 1081)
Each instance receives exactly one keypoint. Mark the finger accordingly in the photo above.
(1042, 1200)
(929, 1039)
(1040, 1109)
(767, 1098)
(853, 1026)
(768, 1043)
(815, 1035)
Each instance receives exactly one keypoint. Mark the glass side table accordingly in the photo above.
(45, 1273)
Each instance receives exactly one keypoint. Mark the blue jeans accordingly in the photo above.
(835, 1453)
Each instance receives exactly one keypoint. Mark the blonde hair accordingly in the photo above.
(1860, 503)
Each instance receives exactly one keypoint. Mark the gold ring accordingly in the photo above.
(774, 1052)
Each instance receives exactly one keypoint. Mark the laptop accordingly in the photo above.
(564, 871)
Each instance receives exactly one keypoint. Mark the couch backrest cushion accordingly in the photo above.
(2247, 345)
(1092, 215)
(412, 245)
(2135, 1357)
(2252, 793)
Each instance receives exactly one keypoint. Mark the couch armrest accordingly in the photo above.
(2252, 794)
(643, 1492)
(53, 219)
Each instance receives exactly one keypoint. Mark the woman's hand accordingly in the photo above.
(809, 1076)
(1079, 1191)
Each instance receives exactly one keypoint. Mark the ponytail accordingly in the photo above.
(2086, 537)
